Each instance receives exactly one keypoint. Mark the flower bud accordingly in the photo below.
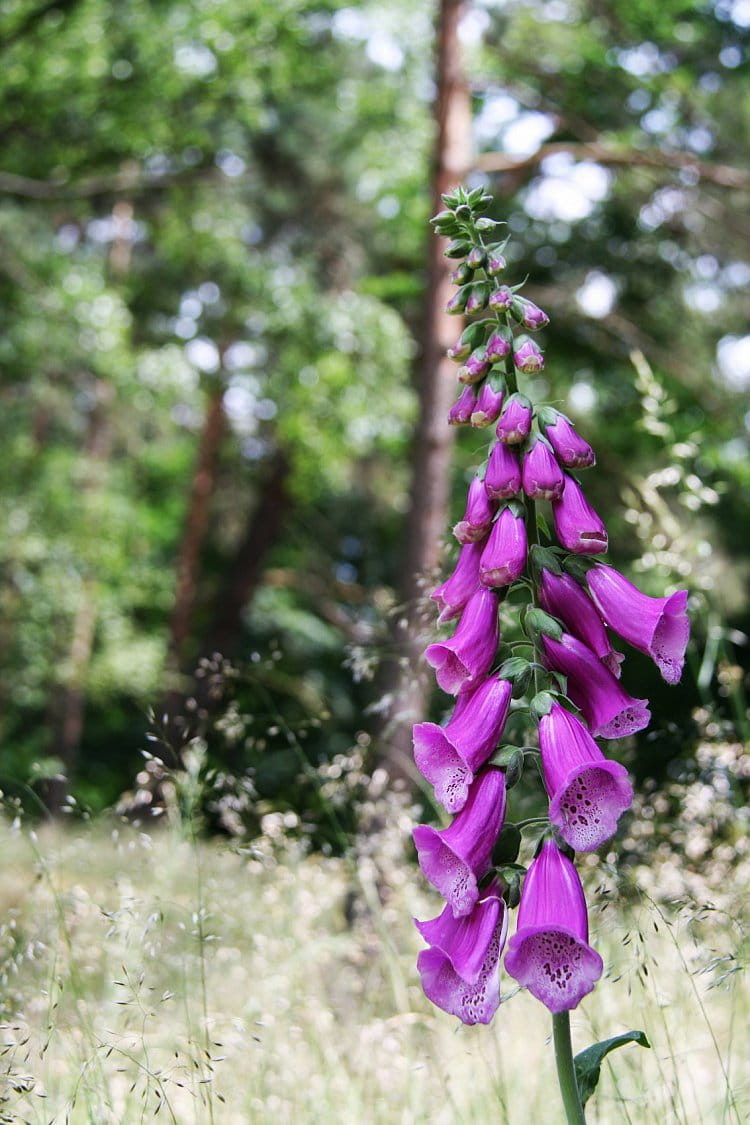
(528, 314)
(570, 448)
(542, 477)
(458, 301)
(478, 296)
(499, 345)
(461, 275)
(471, 337)
(504, 556)
(501, 298)
(488, 405)
(475, 260)
(459, 248)
(478, 515)
(515, 421)
(527, 356)
(461, 411)
(578, 526)
(495, 264)
(476, 367)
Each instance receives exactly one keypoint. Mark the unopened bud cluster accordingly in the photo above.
(567, 680)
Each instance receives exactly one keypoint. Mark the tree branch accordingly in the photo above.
(723, 175)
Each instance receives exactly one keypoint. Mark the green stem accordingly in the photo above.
(566, 1074)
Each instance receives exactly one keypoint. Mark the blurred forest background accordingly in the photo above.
(219, 356)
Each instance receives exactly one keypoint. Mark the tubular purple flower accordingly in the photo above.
(449, 757)
(498, 346)
(504, 556)
(529, 314)
(561, 596)
(528, 357)
(475, 368)
(453, 594)
(578, 526)
(488, 405)
(550, 953)
(570, 448)
(501, 298)
(459, 970)
(515, 421)
(478, 516)
(607, 708)
(461, 662)
(503, 476)
(660, 627)
(542, 477)
(588, 793)
(461, 411)
(455, 858)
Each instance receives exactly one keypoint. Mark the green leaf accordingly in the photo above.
(588, 1063)
(541, 523)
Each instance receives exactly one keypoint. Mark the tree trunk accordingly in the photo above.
(406, 680)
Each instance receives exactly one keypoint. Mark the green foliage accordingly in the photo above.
(588, 1063)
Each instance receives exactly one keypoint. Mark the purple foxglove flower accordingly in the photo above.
(501, 298)
(607, 708)
(475, 368)
(561, 596)
(588, 793)
(461, 662)
(542, 477)
(459, 970)
(478, 516)
(462, 409)
(504, 556)
(495, 264)
(528, 357)
(455, 858)
(657, 626)
(550, 953)
(570, 448)
(578, 526)
(498, 346)
(503, 476)
(515, 421)
(449, 757)
(529, 314)
(488, 406)
(453, 594)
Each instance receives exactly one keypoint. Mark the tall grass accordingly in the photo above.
(158, 977)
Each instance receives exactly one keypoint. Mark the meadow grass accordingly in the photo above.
(149, 976)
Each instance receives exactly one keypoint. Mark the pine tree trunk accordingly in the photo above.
(407, 685)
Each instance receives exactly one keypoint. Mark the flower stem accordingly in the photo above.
(566, 1074)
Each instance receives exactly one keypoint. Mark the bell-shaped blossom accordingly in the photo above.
(607, 708)
(561, 596)
(498, 346)
(588, 793)
(529, 314)
(455, 858)
(449, 757)
(577, 525)
(504, 555)
(528, 357)
(463, 408)
(550, 952)
(570, 448)
(660, 627)
(515, 421)
(475, 368)
(461, 662)
(503, 476)
(488, 405)
(478, 516)
(501, 298)
(459, 970)
(453, 594)
(542, 477)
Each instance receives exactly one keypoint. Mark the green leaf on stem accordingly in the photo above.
(588, 1063)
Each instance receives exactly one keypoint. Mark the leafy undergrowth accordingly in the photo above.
(147, 976)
